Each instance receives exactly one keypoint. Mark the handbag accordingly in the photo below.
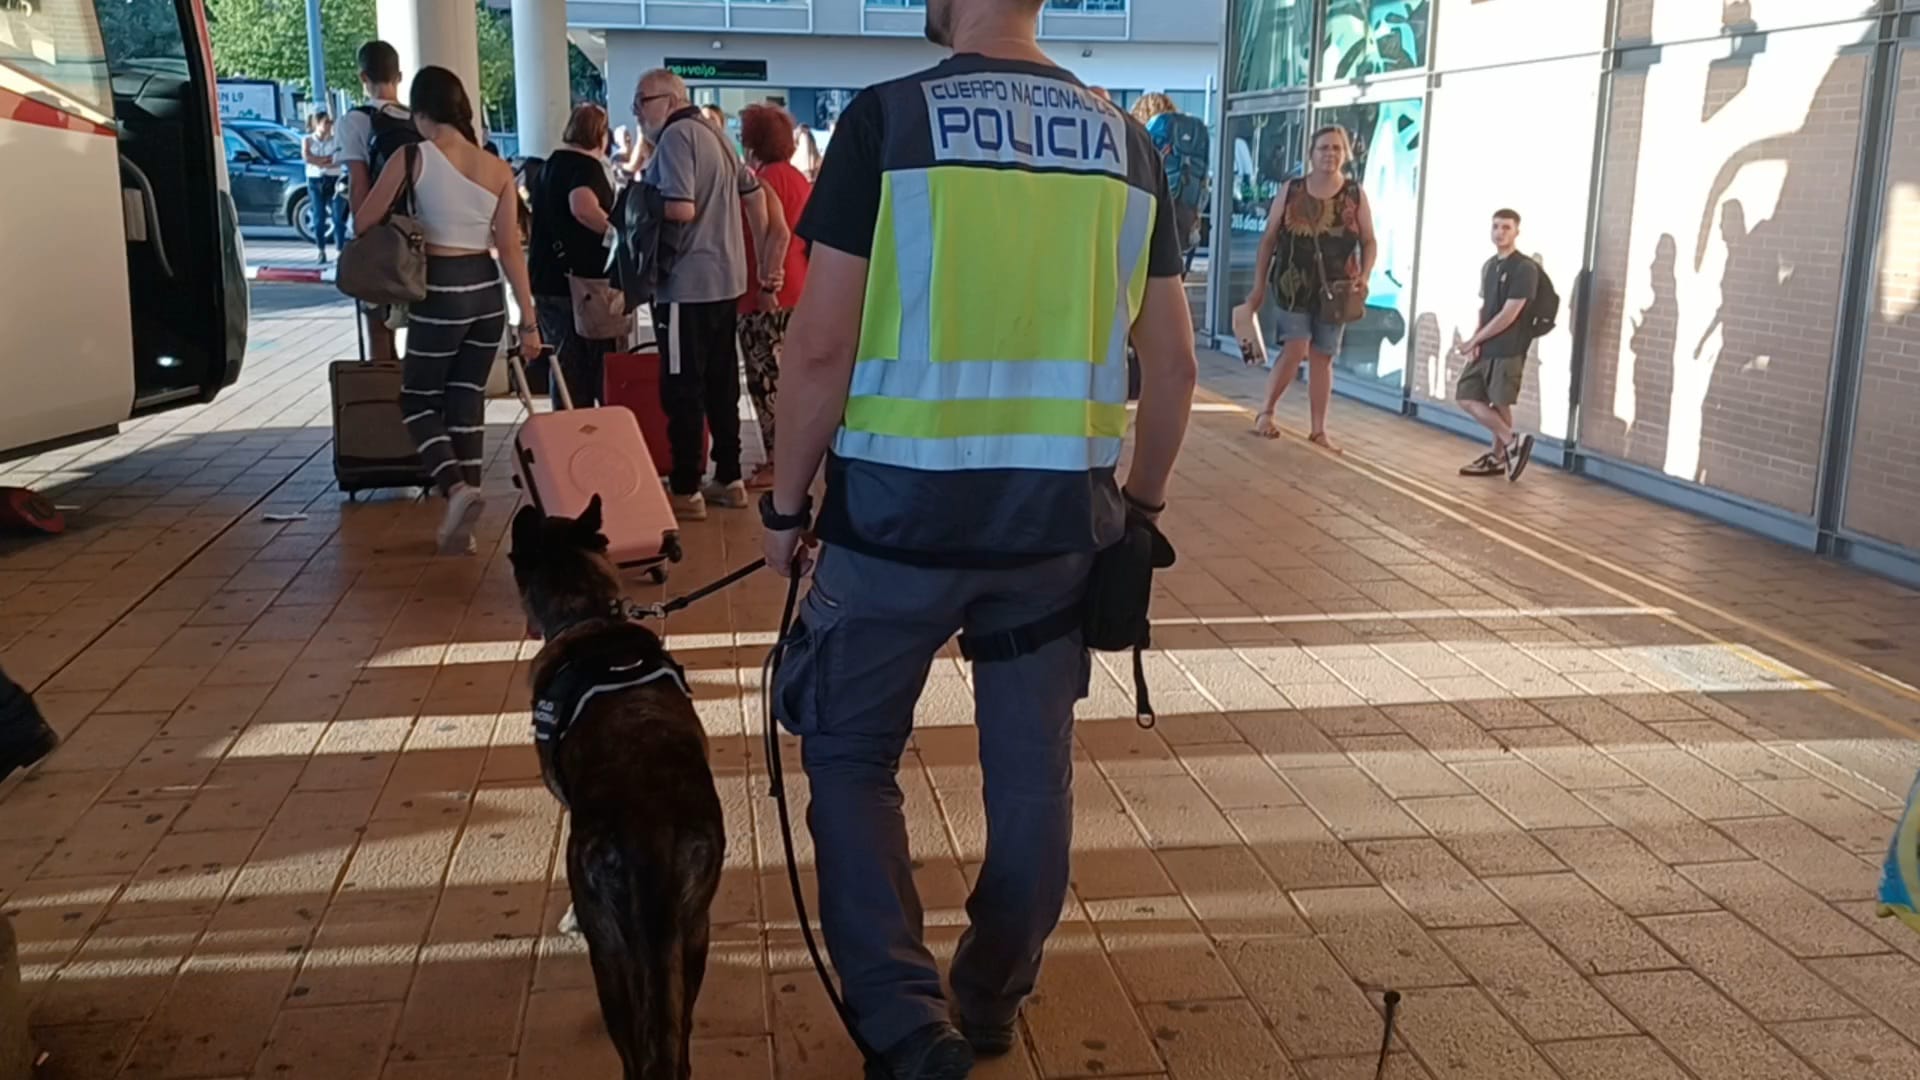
(599, 310)
(1340, 301)
(387, 264)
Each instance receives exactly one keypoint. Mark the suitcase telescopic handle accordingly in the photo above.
(519, 371)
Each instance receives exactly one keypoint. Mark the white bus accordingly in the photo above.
(122, 285)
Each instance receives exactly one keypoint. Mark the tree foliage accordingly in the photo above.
(267, 39)
(587, 82)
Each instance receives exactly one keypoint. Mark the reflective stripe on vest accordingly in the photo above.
(999, 301)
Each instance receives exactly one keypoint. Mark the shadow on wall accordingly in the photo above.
(1729, 363)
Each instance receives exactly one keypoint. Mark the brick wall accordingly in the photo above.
(1623, 421)
(1883, 489)
(1677, 20)
(1713, 340)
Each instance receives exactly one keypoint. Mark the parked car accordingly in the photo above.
(269, 177)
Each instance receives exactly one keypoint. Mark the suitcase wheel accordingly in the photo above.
(657, 575)
(671, 548)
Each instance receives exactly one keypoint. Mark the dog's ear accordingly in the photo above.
(526, 531)
(586, 528)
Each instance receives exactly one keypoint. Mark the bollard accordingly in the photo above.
(16, 1049)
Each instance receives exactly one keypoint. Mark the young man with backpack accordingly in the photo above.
(368, 137)
(1517, 305)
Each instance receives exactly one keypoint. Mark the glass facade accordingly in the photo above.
(1386, 162)
(1272, 45)
(1265, 151)
(1722, 193)
(1363, 39)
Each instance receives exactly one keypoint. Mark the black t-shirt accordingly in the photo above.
(560, 244)
(845, 207)
(1512, 278)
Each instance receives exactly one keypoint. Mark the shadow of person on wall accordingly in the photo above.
(1653, 344)
(1752, 285)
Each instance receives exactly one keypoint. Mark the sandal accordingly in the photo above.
(1264, 426)
(1319, 439)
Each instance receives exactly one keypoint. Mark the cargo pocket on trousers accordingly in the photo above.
(800, 686)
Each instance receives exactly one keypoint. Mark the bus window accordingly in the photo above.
(56, 44)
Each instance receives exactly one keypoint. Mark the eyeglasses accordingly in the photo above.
(641, 101)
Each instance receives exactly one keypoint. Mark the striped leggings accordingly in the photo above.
(453, 339)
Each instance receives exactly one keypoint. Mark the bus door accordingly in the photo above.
(62, 272)
(185, 277)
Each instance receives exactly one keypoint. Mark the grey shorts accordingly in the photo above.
(1324, 338)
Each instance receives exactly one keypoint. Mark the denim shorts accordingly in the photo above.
(1326, 337)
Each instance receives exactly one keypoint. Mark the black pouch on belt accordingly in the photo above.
(1113, 616)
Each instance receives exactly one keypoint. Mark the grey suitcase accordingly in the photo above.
(371, 447)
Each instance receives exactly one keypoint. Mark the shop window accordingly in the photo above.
(1272, 44)
(1386, 148)
(1368, 38)
(1265, 152)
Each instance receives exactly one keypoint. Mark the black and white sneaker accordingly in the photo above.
(1487, 464)
(1518, 455)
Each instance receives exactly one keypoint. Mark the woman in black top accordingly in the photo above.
(571, 199)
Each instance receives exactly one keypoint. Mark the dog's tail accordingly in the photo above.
(624, 899)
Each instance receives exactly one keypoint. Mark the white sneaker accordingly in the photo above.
(727, 496)
(463, 513)
(690, 507)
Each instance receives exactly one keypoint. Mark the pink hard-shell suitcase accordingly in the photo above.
(563, 459)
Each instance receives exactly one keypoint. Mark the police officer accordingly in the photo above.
(986, 235)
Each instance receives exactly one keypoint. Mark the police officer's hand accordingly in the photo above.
(789, 553)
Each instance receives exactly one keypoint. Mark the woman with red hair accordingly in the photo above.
(766, 134)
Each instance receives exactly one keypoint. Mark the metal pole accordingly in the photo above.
(316, 59)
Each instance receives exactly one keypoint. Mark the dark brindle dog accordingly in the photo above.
(622, 748)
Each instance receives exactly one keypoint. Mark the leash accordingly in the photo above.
(1386, 1040)
(660, 611)
(777, 791)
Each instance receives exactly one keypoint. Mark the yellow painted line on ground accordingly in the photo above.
(1432, 497)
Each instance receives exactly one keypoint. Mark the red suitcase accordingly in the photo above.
(633, 380)
(563, 459)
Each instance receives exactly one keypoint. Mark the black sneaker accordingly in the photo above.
(1518, 456)
(25, 738)
(987, 1040)
(935, 1052)
(1487, 464)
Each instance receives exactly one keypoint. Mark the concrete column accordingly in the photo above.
(543, 93)
(434, 33)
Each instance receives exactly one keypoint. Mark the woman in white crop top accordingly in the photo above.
(465, 202)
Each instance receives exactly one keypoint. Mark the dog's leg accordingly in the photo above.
(694, 944)
(591, 868)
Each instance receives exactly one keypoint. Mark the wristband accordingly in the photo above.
(1141, 505)
(775, 521)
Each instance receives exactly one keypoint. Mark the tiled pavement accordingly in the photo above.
(1599, 787)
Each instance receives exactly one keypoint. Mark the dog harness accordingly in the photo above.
(602, 666)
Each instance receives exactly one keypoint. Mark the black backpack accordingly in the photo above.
(646, 243)
(387, 135)
(1543, 312)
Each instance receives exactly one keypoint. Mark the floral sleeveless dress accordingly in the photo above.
(1331, 224)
